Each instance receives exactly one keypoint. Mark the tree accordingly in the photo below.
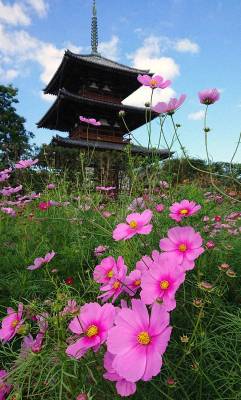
(14, 138)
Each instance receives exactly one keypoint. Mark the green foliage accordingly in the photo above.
(14, 139)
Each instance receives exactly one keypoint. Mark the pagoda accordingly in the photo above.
(93, 86)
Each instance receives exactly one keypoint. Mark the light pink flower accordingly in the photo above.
(123, 387)
(161, 282)
(40, 261)
(184, 245)
(91, 121)
(164, 184)
(153, 82)
(9, 211)
(71, 308)
(138, 203)
(82, 396)
(170, 107)
(31, 344)
(51, 186)
(22, 164)
(99, 250)
(185, 208)
(133, 282)
(42, 321)
(138, 341)
(8, 191)
(210, 244)
(92, 324)
(4, 177)
(115, 286)
(107, 214)
(159, 207)
(208, 96)
(11, 323)
(5, 388)
(136, 224)
(108, 269)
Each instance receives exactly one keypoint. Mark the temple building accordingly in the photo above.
(93, 86)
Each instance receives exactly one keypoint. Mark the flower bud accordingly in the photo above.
(122, 113)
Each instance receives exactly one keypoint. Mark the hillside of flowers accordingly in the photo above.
(107, 294)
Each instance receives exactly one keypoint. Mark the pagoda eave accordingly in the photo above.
(65, 111)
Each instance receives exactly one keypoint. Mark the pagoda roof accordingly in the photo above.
(64, 112)
(99, 145)
(90, 62)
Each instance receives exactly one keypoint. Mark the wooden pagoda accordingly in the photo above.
(94, 86)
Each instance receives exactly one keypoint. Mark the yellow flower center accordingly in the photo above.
(184, 211)
(110, 274)
(133, 224)
(144, 338)
(137, 282)
(15, 323)
(153, 82)
(92, 331)
(164, 285)
(182, 247)
(116, 285)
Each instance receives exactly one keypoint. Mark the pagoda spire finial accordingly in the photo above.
(94, 31)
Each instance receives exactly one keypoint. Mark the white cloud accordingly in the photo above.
(186, 46)
(8, 75)
(13, 14)
(39, 6)
(196, 116)
(109, 49)
(149, 56)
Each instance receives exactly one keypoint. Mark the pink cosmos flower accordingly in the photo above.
(9, 211)
(153, 82)
(115, 286)
(137, 223)
(138, 341)
(185, 208)
(40, 261)
(133, 282)
(4, 177)
(71, 308)
(208, 96)
(22, 164)
(11, 323)
(123, 387)
(8, 191)
(145, 262)
(108, 269)
(99, 250)
(170, 107)
(42, 321)
(138, 203)
(107, 214)
(91, 121)
(92, 324)
(51, 186)
(5, 388)
(161, 282)
(44, 205)
(82, 396)
(184, 245)
(31, 344)
(159, 207)
(210, 244)
(164, 184)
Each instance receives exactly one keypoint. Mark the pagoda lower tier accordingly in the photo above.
(162, 154)
(64, 114)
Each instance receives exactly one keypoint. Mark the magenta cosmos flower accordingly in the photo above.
(44, 205)
(91, 121)
(138, 341)
(40, 261)
(145, 262)
(133, 282)
(153, 82)
(92, 324)
(185, 208)
(11, 323)
(116, 284)
(123, 387)
(170, 107)
(108, 269)
(161, 282)
(208, 96)
(137, 223)
(22, 164)
(184, 245)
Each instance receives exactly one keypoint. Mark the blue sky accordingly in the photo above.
(195, 43)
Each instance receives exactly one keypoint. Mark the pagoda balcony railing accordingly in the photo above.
(98, 137)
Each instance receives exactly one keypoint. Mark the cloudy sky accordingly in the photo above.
(195, 43)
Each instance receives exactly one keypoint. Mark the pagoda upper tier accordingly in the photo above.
(80, 74)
